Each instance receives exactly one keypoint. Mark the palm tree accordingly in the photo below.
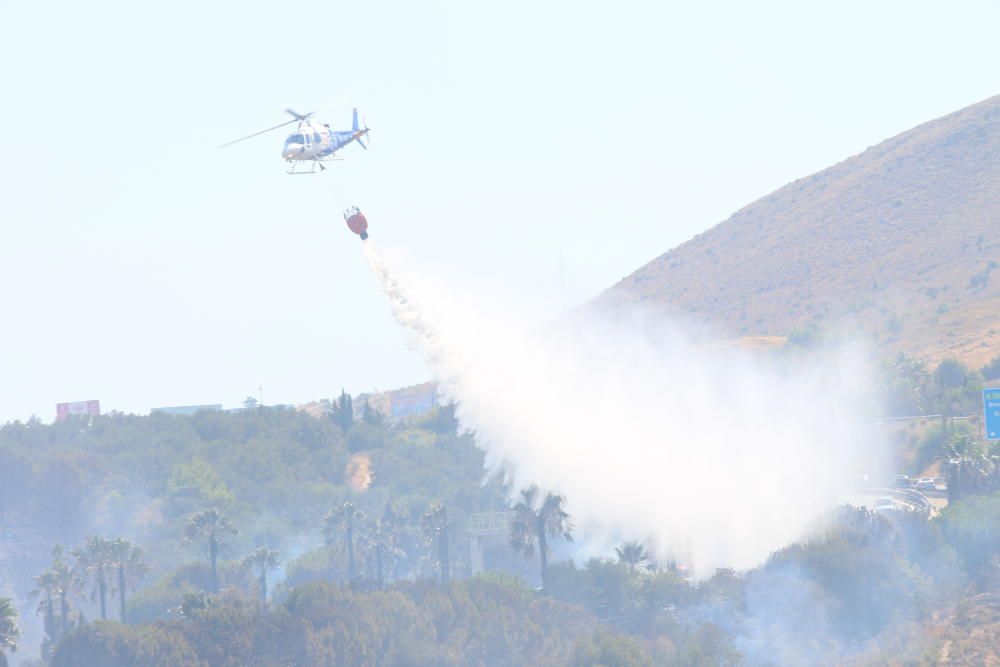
(56, 585)
(47, 590)
(128, 560)
(67, 582)
(391, 534)
(536, 522)
(9, 631)
(95, 561)
(382, 544)
(213, 526)
(633, 554)
(906, 382)
(259, 563)
(434, 524)
(347, 516)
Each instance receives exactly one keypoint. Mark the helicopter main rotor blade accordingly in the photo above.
(299, 116)
(250, 136)
(303, 116)
(296, 118)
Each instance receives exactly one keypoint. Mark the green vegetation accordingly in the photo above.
(535, 522)
(487, 621)
(435, 527)
(213, 527)
(346, 515)
(8, 629)
(974, 525)
(991, 371)
(259, 564)
(130, 563)
(382, 578)
(909, 388)
(862, 580)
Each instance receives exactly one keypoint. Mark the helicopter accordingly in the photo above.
(313, 141)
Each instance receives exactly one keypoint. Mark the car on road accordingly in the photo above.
(884, 503)
(903, 481)
(926, 484)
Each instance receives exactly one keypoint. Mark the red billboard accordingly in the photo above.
(90, 408)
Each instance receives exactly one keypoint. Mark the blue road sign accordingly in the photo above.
(991, 405)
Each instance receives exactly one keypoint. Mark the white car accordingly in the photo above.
(882, 504)
(926, 484)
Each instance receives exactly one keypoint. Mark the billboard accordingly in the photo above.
(89, 408)
(991, 408)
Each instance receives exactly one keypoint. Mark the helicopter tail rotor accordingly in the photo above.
(360, 130)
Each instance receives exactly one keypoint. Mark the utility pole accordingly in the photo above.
(260, 393)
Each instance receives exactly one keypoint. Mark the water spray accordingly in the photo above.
(712, 452)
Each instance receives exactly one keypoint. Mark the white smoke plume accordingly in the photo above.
(712, 454)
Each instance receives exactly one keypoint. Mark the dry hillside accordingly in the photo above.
(901, 241)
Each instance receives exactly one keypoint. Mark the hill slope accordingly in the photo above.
(902, 241)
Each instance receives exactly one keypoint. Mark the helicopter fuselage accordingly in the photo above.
(316, 141)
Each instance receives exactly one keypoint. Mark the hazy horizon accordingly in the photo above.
(145, 268)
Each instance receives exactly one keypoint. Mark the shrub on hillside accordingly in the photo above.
(991, 371)
(972, 526)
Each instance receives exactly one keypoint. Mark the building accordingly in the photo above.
(186, 409)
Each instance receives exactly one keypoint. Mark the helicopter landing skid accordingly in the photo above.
(312, 167)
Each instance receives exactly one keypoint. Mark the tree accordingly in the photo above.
(95, 561)
(904, 383)
(47, 590)
(383, 544)
(343, 411)
(536, 522)
(250, 403)
(972, 468)
(991, 371)
(445, 421)
(212, 526)
(9, 631)
(259, 563)
(972, 526)
(434, 525)
(347, 516)
(56, 584)
(371, 416)
(128, 559)
(633, 554)
(116, 645)
(605, 647)
(17, 473)
(392, 534)
(950, 373)
(192, 603)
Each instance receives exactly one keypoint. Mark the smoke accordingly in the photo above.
(712, 455)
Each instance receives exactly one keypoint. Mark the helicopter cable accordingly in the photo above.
(334, 185)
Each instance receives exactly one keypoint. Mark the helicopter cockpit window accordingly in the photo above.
(295, 139)
(316, 137)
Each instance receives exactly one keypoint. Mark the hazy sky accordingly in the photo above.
(142, 266)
